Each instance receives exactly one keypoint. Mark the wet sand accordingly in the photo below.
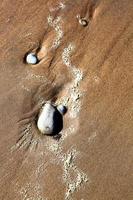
(89, 69)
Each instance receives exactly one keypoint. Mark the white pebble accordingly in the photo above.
(31, 59)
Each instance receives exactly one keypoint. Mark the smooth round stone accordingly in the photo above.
(31, 58)
(62, 109)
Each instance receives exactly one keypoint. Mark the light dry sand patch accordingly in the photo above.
(67, 162)
(61, 5)
(73, 93)
(56, 25)
(73, 102)
(27, 193)
(73, 184)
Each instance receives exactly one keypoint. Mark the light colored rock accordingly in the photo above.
(45, 121)
(62, 109)
(31, 59)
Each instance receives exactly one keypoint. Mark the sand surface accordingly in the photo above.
(89, 69)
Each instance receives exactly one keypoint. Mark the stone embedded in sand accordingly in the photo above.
(83, 22)
(50, 120)
(62, 109)
(31, 58)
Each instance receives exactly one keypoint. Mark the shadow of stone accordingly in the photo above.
(58, 122)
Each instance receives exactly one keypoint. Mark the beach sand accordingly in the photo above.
(89, 69)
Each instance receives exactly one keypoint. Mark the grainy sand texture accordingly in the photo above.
(84, 51)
